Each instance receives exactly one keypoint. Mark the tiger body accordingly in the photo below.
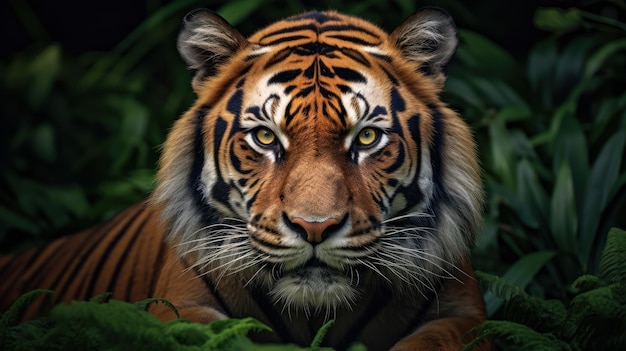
(318, 176)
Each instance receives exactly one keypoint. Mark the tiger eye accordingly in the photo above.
(265, 137)
(367, 136)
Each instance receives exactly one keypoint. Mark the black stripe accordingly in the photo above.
(212, 287)
(122, 261)
(349, 75)
(95, 236)
(347, 27)
(390, 76)
(285, 76)
(356, 56)
(292, 29)
(277, 58)
(86, 253)
(440, 195)
(195, 176)
(352, 39)
(104, 255)
(286, 39)
(397, 103)
(235, 103)
(374, 116)
(399, 161)
(383, 57)
(412, 193)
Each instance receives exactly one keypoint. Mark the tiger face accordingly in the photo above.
(318, 163)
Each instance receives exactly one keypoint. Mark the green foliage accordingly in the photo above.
(103, 324)
(552, 136)
(595, 319)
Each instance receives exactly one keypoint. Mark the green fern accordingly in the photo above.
(104, 324)
(613, 260)
(595, 319)
(145, 303)
(521, 336)
(12, 316)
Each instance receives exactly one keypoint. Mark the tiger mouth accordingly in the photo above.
(314, 267)
(314, 286)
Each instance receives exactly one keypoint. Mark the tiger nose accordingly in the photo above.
(315, 232)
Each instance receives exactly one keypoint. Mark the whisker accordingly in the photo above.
(416, 215)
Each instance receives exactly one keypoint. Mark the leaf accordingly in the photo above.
(571, 146)
(604, 174)
(44, 70)
(514, 113)
(613, 260)
(501, 152)
(102, 298)
(533, 206)
(488, 60)
(11, 218)
(145, 303)
(563, 220)
(229, 328)
(321, 333)
(557, 20)
(12, 315)
(600, 56)
(235, 11)
(44, 142)
(541, 62)
(569, 68)
(524, 337)
(520, 274)
(460, 86)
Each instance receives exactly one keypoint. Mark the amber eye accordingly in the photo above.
(368, 136)
(264, 136)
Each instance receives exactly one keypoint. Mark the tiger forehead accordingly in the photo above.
(322, 27)
(318, 66)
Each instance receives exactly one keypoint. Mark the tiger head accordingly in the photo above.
(318, 162)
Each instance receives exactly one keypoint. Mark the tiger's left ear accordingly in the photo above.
(427, 38)
(205, 42)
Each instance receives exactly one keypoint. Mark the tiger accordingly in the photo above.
(317, 176)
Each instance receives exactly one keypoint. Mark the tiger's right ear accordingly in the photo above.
(206, 41)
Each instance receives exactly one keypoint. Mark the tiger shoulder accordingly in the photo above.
(317, 176)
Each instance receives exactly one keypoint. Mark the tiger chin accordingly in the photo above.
(317, 176)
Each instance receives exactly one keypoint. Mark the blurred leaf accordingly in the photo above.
(71, 199)
(514, 113)
(557, 20)
(501, 152)
(541, 62)
(461, 87)
(522, 272)
(570, 66)
(600, 56)
(487, 60)
(134, 118)
(15, 220)
(604, 173)
(235, 11)
(563, 220)
(571, 146)
(44, 69)
(44, 142)
(533, 206)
